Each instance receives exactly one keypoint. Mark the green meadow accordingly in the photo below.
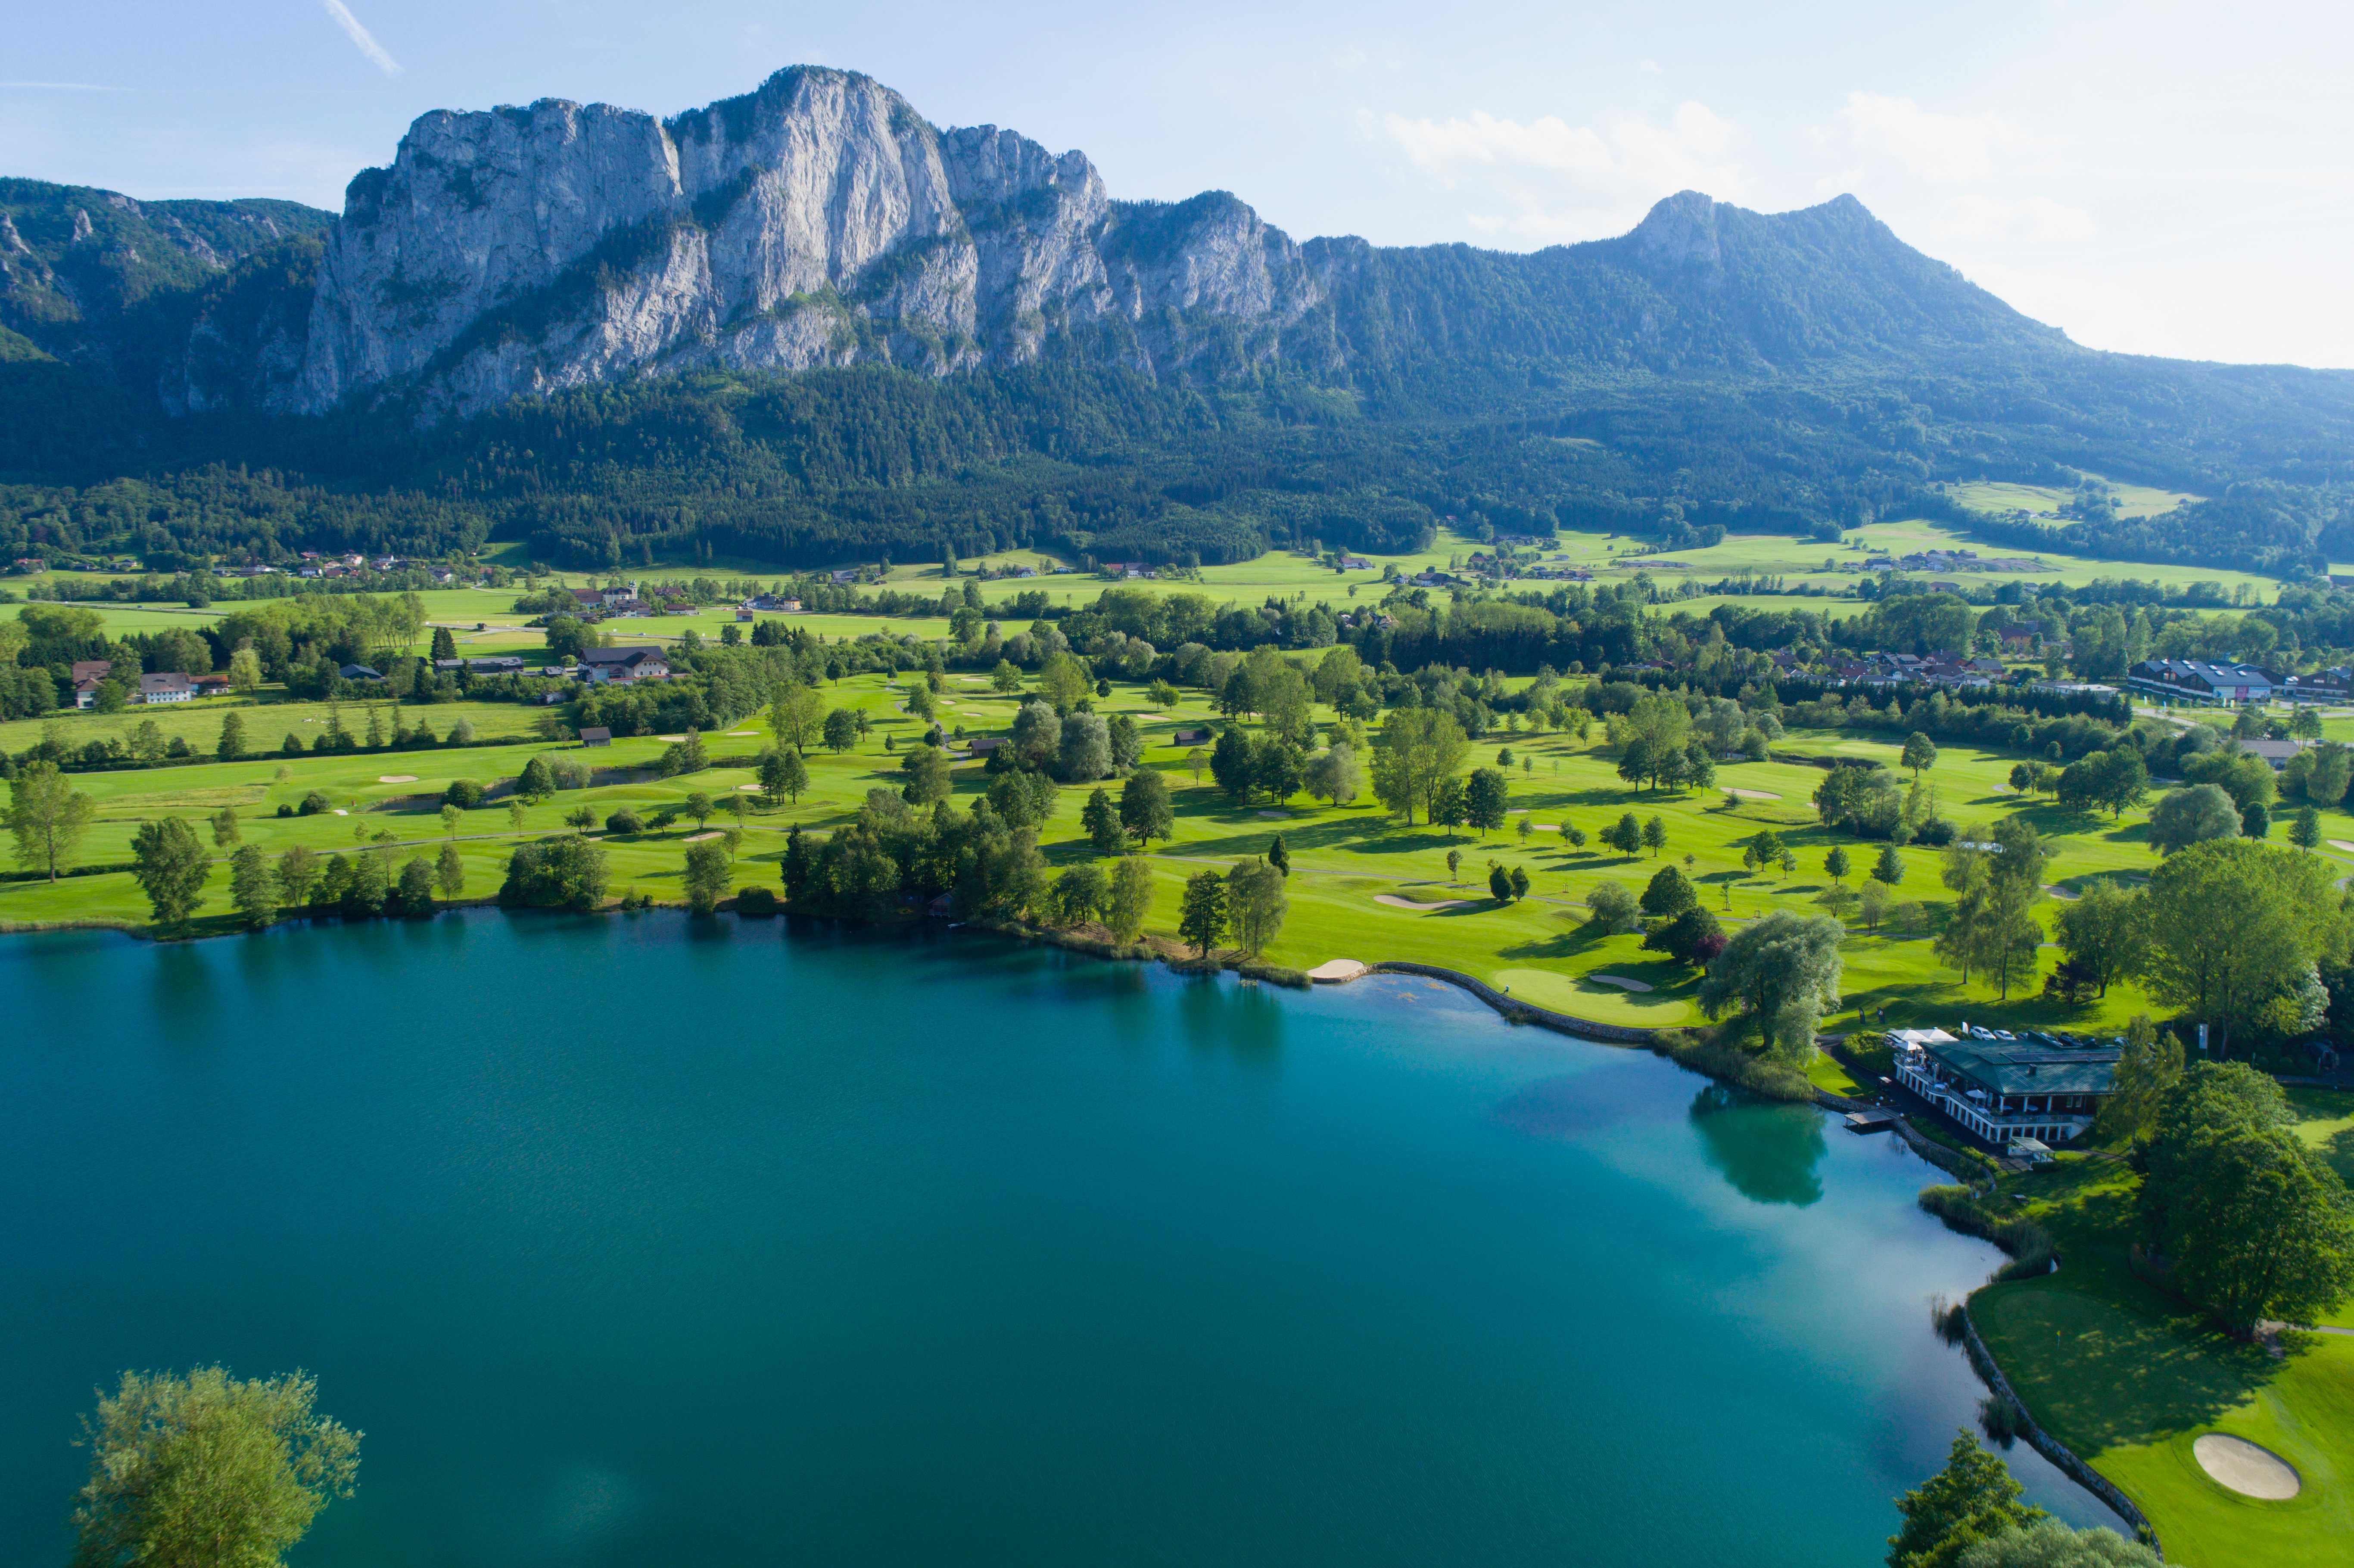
(1363, 885)
(2128, 1377)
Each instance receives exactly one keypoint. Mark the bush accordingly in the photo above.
(555, 874)
(2031, 1246)
(312, 804)
(625, 820)
(756, 900)
(1613, 909)
(1774, 1080)
(463, 793)
(1937, 833)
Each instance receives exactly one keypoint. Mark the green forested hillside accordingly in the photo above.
(1714, 369)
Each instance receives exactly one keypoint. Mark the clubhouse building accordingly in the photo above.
(2004, 1088)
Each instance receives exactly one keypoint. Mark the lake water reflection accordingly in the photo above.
(644, 1242)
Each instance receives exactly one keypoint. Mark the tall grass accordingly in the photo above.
(1759, 1074)
(2032, 1251)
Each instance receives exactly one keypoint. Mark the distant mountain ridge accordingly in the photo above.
(806, 323)
(819, 220)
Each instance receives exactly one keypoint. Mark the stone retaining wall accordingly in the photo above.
(2051, 1448)
(1521, 1011)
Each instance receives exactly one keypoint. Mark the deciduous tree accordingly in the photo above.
(1419, 751)
(2233, 923)
(1255, 894)
(1779, 974)
(704, 877)
(2255, 1223)
(169, 862)
(1130, 898)
(1972, 1499)
(1100, 820)
(450, 872)
(2105, 932)
(252, 888)
(49, 817)
(1144, 807)
(1485, 799)
(927, 767)
(1334, 774)
(206, 1470)
(797, 715)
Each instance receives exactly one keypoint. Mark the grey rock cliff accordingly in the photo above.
(819, 220)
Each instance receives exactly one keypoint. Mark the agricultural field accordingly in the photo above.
(1838, 567)
(484, 621)
(1362, 886)
(2044, 501)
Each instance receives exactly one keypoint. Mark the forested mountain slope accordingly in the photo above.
(805, 324)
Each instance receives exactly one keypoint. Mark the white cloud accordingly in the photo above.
(2038, 220)
(1693, 150)
(362, 37)
(1944, 148)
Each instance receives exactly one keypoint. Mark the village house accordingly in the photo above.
(623, 666)
(165, 686)
(597, 734)
(2004, 1088)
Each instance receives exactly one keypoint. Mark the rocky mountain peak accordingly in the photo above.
(818, 219)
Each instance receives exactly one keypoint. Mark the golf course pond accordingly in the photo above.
(661, 1242)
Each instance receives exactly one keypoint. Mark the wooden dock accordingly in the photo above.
(1870, 1120)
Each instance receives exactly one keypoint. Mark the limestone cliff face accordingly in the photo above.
(819, 220)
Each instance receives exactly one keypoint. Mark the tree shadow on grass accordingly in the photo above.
(1574, 941)
(2104, 1375)
(2337, 1152)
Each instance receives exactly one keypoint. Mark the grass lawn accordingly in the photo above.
(2128, 1377)
(1344, 858)
(2043, 500)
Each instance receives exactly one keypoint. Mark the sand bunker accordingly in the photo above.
(1336, 971)
(2341, 843)
(1394, 902)
(736, 732)
(395, 778)
(2251, 1471)
(699, 837)
(1754, 794)
(1277, 816)
(1621, 981)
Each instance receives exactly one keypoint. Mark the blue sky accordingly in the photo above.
(2156, 178)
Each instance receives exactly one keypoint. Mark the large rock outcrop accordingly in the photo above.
(819, 220)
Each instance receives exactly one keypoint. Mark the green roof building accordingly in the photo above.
(2005, 1088)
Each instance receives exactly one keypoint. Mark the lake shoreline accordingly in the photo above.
(1654, 1041)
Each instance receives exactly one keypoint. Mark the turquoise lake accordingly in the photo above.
(649, 1241)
